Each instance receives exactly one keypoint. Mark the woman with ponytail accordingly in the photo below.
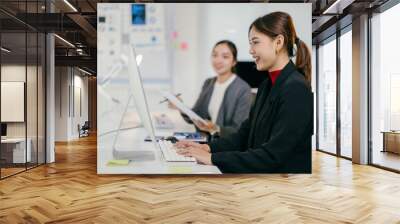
(276, 138)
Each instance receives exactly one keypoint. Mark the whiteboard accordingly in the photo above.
(12, 101)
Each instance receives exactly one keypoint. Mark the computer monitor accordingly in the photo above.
(3, 129)
(139, 97)
(247, 71)
(135, 81)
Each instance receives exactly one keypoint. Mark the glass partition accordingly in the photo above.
(23, 89)
(14, 152)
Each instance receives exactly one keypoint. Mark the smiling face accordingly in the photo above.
(263, 49)
(222, 59)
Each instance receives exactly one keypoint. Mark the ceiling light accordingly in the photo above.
(84, 71)
(70, 5)
(331, 7)
(5, 50)
(338, 6)
(65, 41)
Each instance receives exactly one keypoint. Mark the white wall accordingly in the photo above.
(186, 67)
(67, 81)
(14, 73)
(80, 83)
(13, 101)
(11, 73)
(61, 103)
(33, 126)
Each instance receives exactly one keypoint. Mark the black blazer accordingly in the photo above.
(276, 138)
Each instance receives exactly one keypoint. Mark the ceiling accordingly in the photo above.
(79, 27)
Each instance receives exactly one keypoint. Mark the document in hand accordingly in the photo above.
(182, 107)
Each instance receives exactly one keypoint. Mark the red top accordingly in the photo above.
(274, 75)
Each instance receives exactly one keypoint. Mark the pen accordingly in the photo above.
(167, 99)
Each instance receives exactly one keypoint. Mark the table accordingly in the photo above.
(17, 150)
(133, 139)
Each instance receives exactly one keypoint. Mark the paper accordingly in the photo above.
(182, 107)
(180, 169)
(116, 162)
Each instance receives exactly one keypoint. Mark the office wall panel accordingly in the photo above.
(12, 98)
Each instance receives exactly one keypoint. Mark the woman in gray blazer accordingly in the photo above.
(225, 100)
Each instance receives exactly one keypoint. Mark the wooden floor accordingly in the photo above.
(387, 159)
(70, 191)
(5, 172)
(10, 171)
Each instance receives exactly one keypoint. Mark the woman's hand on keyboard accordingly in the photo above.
(187, 144)
(197, 152)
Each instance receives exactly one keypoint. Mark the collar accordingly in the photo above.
(274, 75)
(285, 72)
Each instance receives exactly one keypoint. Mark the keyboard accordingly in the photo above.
(170, 155)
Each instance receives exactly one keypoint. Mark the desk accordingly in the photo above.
(391, 141)
(17, 151)
(134, 140)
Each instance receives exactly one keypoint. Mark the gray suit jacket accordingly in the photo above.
(235, 106)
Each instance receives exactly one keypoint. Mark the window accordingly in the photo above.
(385, 89)
(346, 94)
(327, 96)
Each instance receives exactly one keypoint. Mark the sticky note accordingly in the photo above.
(184, 46)
(115, 162)
(175, 34)
(180, 169)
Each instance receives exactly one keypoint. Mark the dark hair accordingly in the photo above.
(281, 23)
(232, 48)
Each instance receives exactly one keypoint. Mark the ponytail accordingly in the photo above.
(303, 59)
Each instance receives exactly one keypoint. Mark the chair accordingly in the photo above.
(84, 130)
